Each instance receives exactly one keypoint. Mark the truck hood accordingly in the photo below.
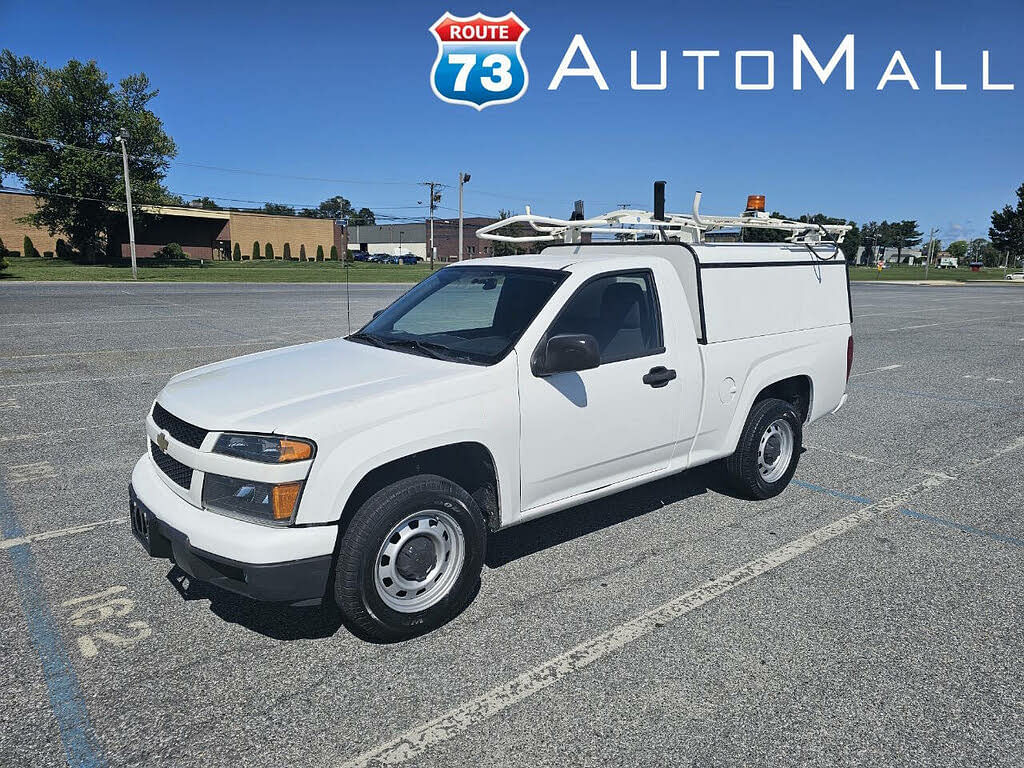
(270, 391)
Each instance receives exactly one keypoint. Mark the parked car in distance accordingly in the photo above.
(379, 258)
(1015, 276)
(361, 256)
(408, 258)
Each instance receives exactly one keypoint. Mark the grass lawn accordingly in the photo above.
(218, 272)
(906, 272)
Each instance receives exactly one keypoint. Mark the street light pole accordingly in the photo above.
(121, 137)
(931, 252)
(463, 178)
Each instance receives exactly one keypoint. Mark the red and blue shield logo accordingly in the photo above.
(479, 60)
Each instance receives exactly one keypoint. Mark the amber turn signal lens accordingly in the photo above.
(294, 450)
(285, 497)
(755, 203)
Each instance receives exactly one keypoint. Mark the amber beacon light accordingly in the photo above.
(755, 203)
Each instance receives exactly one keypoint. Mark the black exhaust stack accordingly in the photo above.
(577, 211)
(659, 200)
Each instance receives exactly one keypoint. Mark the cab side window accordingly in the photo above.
(620, 311)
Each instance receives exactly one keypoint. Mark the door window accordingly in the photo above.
(620, 311)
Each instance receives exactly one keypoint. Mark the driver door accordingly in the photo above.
(588, 429)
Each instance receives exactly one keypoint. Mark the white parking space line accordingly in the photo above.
(844, 454)
(9, 404)
(79, 381)
(955, 323)
(878, 370)
(475, 711)
(57, 534)
(148, 350)
(51, 433)
(30, 473)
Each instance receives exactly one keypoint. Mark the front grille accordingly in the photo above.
(171, 467)
(180, 430)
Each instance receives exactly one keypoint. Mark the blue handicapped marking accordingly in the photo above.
(922, 516)
(961, 527)
(66, 699)
(830, 492)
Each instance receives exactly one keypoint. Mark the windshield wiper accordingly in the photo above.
(368, 338)
(436, 351)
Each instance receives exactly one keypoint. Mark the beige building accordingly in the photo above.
(13, 207)
(201, 233)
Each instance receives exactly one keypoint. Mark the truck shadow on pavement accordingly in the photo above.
(294, 623)
(504, 547)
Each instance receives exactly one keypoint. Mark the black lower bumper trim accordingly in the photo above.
(294, 582)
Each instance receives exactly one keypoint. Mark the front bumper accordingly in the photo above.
(285, 565)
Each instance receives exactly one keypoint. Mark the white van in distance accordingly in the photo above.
(369, 470)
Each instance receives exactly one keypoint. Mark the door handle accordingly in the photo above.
(659, 376)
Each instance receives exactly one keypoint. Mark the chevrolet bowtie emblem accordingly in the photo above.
(161, 441)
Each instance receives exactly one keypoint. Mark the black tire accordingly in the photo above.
(355, 589)
(742, 467)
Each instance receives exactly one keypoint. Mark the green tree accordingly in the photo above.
(4, 253)
(206, 203)
(278, 209)
(255, 250)
(63, 249)
(72, 160)
(905, 234)
(334, 253)
(1007, 230)
(958, 250)
(319, 253)
(236, 253)
(28, 249)
(338, 207)
(302, 252)
(287, 251)
(268, 251)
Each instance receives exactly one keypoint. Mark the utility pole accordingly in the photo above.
(463, 178)
(121, 137)
(435, 198)
(931, 251)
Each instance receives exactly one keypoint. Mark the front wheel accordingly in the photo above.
(768, 450)
(410, 559)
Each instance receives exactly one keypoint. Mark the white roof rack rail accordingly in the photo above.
(659, 226)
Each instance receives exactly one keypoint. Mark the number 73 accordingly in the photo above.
(500, 65)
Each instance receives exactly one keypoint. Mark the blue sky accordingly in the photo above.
(340, 91)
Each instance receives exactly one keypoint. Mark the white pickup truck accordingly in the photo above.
(369, 470)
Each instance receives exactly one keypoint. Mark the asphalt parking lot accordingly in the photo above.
(873, 614)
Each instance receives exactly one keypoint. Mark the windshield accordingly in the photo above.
(466, 314)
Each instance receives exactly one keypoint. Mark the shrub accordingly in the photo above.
(319, 253)
(268, 252)
(28, 249)
(3, 256)
(302, 252)
(170, 252)
(334, 253)
(47, 254)
(287, 251)
(236, 253)
(255, 250)
(64, 250)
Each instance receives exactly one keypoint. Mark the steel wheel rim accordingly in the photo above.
(405, 592)
(775, 451)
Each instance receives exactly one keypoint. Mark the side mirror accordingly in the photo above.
(567, 352)
(378, 313)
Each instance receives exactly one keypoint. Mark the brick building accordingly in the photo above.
(202, 234)
(414, 237)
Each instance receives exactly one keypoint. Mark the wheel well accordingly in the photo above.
(795, 390)
(468, 465)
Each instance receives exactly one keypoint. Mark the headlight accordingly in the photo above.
(272, 503)
(266, 448)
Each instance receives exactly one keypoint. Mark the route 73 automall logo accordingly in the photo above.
(479, 60)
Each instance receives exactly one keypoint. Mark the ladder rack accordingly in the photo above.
(637, 225)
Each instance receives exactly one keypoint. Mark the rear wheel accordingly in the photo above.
(410, 559)
(768, 451)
